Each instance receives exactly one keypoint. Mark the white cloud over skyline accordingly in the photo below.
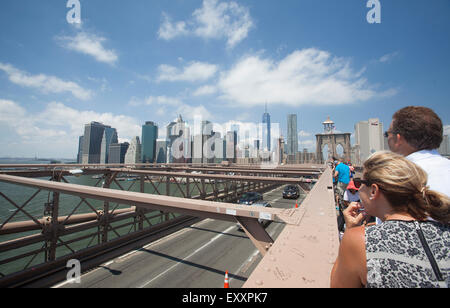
(165, 105)
(44, 83)
(194, 71)
(91, 45)
(307, 76)
(214, 20)
(54, 131)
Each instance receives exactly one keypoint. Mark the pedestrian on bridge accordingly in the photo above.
(342, 173)
(407, 249)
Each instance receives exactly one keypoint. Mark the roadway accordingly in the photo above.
(196, 256)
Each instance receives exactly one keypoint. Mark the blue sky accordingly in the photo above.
(137, 61)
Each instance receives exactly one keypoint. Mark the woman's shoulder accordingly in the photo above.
(354, 238)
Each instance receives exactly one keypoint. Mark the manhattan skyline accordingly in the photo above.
(129, 63)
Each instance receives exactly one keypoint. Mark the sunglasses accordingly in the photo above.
(358, 182)
(386, 133)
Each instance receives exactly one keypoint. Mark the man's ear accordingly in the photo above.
(404, 147)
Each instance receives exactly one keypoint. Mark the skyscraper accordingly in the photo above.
(109, 137)
(231, 144)
(444, 148)
(117, 152)
(266, 131)
(148, 147)
(199, 152)
(292, 135)
(80, 149)
(368, 138)
(93, 135)
(161, 151)
(179, 141)
(133, 155)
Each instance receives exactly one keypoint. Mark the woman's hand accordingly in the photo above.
(354, 215)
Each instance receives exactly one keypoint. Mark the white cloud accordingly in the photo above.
(302, 133)
(62, 116)
(54, 131)
(163, 100)
(91, 45)
(388, 57)
(17, 120)
(195, 71)
(214, 20)
(163, 105)
(308, 76)
(155, 100)
(309, 144)
(10, 112)
(169, 30)
(44, 83)
(205, 90)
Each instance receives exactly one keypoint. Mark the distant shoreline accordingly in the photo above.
(36, 159)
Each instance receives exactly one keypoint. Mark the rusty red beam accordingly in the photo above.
(196, 208)
(243, 178)
(302, 172)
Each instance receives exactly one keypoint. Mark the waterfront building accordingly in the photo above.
(230, 145)
(80, 150)
(279, 154)
(368, 138)
(179, 141)
(93, 135)
(444, 148)
(292, 135)
(149, 137)
(117, 152)
(161, 151)
(266, 136)
(133, 154)
(200, 143)
(109, 137)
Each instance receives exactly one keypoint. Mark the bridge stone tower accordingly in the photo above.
(332, 139)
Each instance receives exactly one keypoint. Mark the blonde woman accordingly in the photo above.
(407, 250)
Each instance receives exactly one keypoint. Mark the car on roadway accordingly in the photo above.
(250, 197)
(291, 192)
(263, 222)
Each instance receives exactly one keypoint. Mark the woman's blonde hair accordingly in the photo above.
(404, 184)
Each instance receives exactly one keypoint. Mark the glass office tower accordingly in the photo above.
(148, 147)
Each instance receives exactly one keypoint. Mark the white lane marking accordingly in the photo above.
(60, 285)
(192, 254)
(250, 258)
(254, 254)
(166, 238)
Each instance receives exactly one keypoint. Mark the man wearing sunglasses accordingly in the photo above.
(416, 133)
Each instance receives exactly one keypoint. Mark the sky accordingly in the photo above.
(130, 62)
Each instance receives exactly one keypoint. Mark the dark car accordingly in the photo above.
(291, 192)
(250, 198)
(263, 222)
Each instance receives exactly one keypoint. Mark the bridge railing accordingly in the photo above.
(45, 244)
(304, 253)
(119, 219)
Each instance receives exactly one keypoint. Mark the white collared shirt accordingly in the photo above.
(437, 168)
